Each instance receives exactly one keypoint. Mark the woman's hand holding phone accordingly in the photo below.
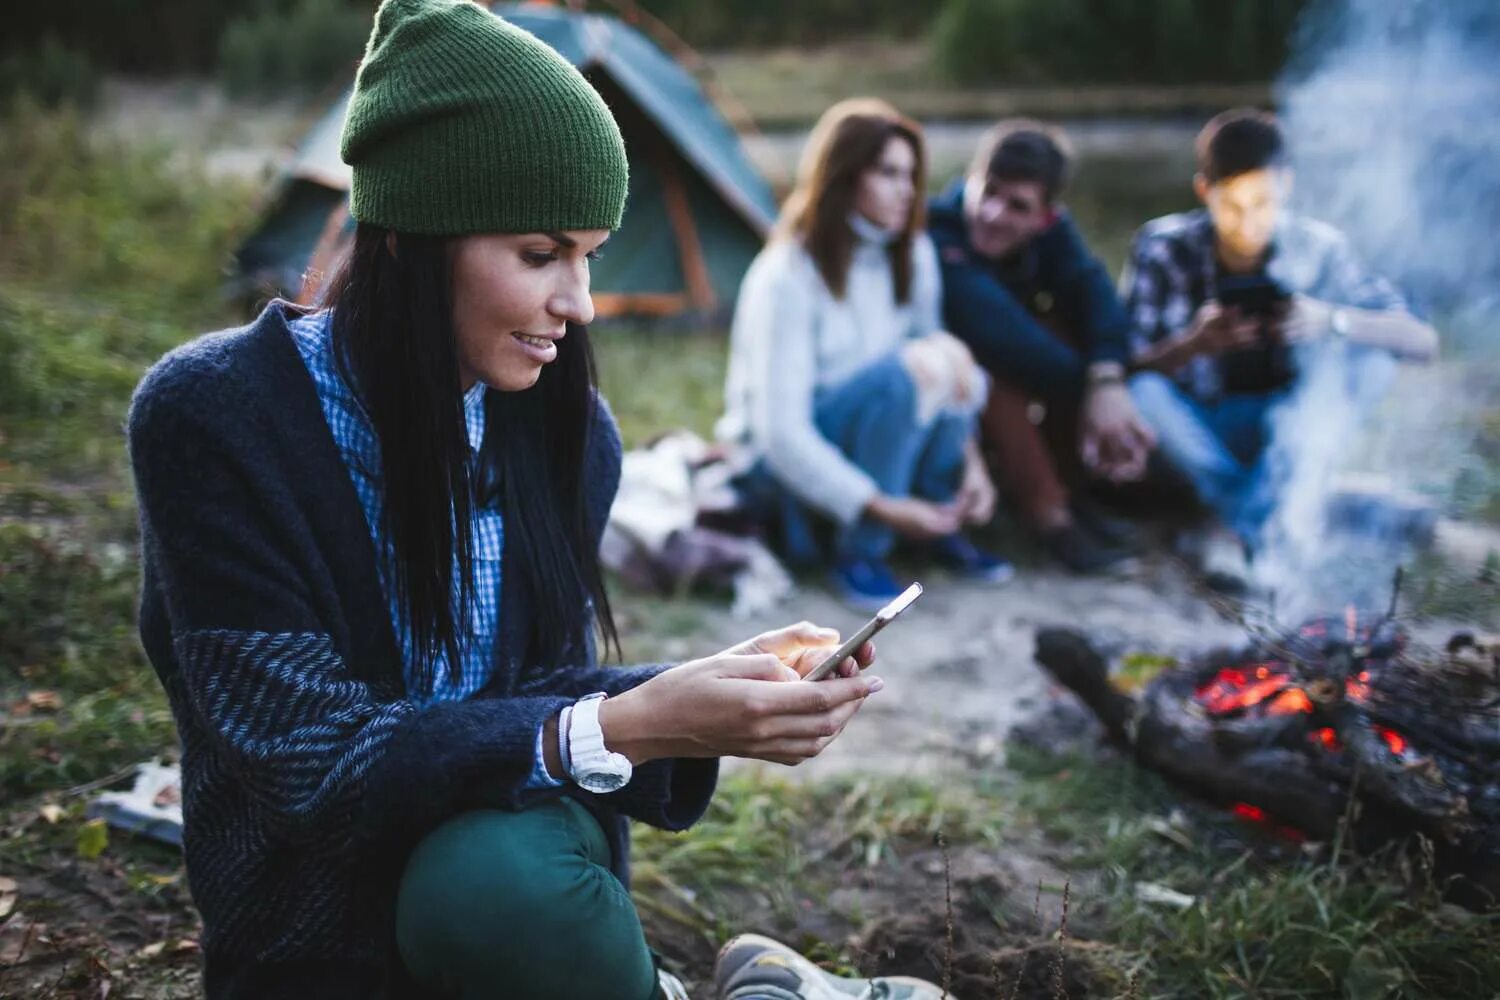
(803, 647)
(723, 705)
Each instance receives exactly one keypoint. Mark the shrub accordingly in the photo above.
(977, 40)
(52, 74)
(109, 256)
(298, 48)
(1114, 41)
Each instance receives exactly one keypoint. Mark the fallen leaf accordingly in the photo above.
(8, 896)
(93, 838)
(16, 939)
(44, 701)
(1138, 669)
(152, 950)
(51, 812)
(187, 944)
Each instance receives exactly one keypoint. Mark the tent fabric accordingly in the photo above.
(681, 150)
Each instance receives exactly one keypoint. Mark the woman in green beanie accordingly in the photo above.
(371, 582)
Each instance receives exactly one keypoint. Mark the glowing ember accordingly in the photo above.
(1393, 739)
(1328, 738)
(1289, 702)
(1234, 689)
(1257, 815)
(1245, 810)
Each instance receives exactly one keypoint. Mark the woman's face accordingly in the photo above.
(887, 189)
(513, 296)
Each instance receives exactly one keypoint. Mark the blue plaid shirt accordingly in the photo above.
(360, 449)
(1171, 272)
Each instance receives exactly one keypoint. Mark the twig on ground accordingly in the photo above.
(1036, 922)
(1346, 821)
(947, 914)
(1059, 988)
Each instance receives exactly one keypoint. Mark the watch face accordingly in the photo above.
(602, 782)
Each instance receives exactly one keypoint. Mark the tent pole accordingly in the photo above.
(680, 214)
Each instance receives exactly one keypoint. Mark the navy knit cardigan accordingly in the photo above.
(307, 774)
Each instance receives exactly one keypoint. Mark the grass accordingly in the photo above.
(1267, 919)
(109, 255)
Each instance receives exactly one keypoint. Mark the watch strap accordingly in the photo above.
(585, 737)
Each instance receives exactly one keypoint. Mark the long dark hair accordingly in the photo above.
(394, 343)
(847, 141)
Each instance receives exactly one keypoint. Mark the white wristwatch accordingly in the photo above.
(592, 765)
(1338, 323)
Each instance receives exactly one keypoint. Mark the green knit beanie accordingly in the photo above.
(463, 123)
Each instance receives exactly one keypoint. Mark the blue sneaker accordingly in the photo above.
(966, 559)
(866, 584)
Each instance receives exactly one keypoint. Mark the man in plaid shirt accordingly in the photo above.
(1231, 304)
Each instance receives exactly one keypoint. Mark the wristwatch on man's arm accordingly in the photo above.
(1338, 322)
(592, 765)
(1102, 373)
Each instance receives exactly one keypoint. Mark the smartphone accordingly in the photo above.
(1254, 295)
(882, 618)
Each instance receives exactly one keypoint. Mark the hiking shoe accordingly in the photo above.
(1081, 552)
(669, 987)
(866, 584)
(751, 967)
(968, 560)
(1109, 528)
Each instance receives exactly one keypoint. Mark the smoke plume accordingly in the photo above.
(1391, 110)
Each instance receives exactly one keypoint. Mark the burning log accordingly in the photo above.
(1335, 719)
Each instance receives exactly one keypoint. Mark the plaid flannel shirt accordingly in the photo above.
(1171, 271)
(360, 450)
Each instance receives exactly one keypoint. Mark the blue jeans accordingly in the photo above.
(1239, 451)
(872, 418)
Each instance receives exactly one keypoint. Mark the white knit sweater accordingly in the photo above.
(791, 338)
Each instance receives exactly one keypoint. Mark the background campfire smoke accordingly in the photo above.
(1389, 112)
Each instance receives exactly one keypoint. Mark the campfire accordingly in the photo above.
(1338, 721)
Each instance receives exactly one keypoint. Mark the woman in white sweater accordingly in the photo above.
(857, 406)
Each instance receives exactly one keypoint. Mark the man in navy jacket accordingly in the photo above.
(1041, 314)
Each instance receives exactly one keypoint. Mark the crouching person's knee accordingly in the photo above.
(945, 375)
(502, 904)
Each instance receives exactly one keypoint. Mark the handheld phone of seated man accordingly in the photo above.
(882, 618)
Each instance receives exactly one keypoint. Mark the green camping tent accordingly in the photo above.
(698, 208)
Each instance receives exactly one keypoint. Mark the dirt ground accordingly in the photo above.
(958, 665)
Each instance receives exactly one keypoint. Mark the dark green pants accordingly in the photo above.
(521, 904)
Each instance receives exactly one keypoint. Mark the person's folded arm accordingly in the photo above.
(1144, 286)
(1006, 339)
(1088, 295)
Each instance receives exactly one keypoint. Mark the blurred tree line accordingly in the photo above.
(58, 48)
(1114, 41)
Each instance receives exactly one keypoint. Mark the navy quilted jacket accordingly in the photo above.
(307, 774)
